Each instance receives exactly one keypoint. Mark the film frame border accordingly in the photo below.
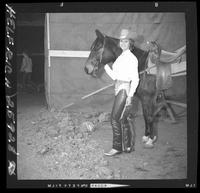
(11, 90)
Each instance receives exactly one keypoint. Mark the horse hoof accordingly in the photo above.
(149, 144)
(145, 139)
(154, 139)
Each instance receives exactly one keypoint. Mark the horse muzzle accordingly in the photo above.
(90, 70)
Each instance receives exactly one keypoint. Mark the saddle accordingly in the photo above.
(163, 76)
(164, 71)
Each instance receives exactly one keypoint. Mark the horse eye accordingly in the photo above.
(96, 47)
(92, 47)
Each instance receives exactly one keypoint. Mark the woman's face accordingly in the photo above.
(124, 44)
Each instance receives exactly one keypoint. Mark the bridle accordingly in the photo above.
(101, 51)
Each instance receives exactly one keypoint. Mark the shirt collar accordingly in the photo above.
(126, 52)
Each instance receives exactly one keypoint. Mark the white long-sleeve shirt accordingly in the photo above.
(125, 68)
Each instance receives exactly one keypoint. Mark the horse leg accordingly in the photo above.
(149, 107)
(147, 130)
(168, 108)
(145, 100)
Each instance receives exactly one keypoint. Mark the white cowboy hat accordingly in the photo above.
(127, 34)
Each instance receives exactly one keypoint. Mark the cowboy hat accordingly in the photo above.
(127, 34)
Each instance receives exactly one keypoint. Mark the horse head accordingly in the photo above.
(103, 51)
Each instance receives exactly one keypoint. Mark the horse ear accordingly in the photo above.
(99, 34)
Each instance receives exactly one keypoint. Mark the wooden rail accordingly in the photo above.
(177, 103)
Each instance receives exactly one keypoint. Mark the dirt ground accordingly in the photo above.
(70, 145)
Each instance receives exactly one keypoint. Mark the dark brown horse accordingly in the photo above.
(105, 50)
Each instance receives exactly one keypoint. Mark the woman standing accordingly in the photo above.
(125, 73)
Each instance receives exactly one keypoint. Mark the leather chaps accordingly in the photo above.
(123, 132)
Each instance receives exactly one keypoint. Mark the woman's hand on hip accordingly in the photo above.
(128, 100)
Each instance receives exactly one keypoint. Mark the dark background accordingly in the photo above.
(30, 36)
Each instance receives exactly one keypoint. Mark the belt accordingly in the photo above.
(122, 81)
(121, 84)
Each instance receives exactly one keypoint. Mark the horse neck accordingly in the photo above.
(114, 48)
(142, 57)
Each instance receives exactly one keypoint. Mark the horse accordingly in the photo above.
(105, 50)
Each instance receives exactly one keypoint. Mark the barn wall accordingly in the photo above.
(76, 31)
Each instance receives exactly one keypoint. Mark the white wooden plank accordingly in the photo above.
(69, 53)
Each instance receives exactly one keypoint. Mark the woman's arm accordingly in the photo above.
(133, 87)
(110, 72)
